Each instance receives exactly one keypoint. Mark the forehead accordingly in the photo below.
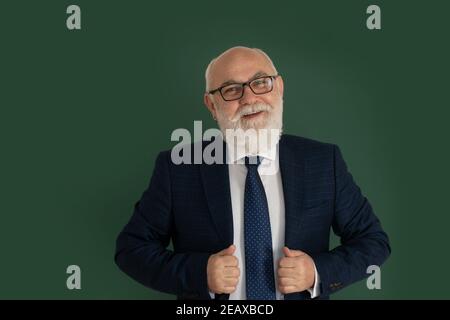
(239, 66)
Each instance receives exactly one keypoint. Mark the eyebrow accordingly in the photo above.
(256, 75)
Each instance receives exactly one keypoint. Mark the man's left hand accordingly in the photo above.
(295, 271)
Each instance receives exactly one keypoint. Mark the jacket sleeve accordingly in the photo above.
(141, 247)
(363, 241)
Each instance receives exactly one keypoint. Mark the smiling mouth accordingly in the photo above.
(252, 115)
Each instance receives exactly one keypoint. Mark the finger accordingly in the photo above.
(286, 263)
(287, 289)
(230, 282)
(292, 253)
(229, 289)
(286, 272)
(227, 251)
(230, 261)
(286, 281)
(231, 272)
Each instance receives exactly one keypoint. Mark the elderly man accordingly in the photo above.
(240, 229)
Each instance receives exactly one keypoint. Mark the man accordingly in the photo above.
(242, 229)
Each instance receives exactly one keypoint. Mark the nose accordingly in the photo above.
(248, 97)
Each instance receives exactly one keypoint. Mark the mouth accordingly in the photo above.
(252, 115)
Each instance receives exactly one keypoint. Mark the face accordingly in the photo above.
(251, 111)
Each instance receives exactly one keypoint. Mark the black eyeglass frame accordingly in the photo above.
(243, 84)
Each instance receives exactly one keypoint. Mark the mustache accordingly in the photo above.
(249, 109)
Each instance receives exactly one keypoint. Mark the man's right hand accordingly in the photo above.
(223, 271)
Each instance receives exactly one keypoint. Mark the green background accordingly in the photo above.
(84, 113)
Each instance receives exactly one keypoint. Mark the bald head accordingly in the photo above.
(237, 62)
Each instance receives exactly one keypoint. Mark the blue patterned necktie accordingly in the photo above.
(260, 281)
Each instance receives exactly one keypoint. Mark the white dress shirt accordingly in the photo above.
(271, 180)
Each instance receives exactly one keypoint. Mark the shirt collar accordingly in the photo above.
(237, 157)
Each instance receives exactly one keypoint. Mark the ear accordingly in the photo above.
(280, 85)
(209, 103)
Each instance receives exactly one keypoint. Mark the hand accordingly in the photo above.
(295, 271)
(223, 271)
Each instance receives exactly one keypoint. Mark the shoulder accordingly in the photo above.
(189, 156)
(306, 145)
(315, 153)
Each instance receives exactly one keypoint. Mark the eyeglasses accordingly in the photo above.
(235, 91)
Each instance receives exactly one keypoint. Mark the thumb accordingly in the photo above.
(227, 251)
(292, 253)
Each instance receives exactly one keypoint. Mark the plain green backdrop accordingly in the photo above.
(84, 113)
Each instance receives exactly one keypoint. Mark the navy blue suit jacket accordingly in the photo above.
(191, 205)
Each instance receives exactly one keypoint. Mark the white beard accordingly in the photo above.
(254, 136)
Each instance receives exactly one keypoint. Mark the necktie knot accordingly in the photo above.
(252, 163)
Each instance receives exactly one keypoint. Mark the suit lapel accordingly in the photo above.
(292, 168)
(216, 184)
